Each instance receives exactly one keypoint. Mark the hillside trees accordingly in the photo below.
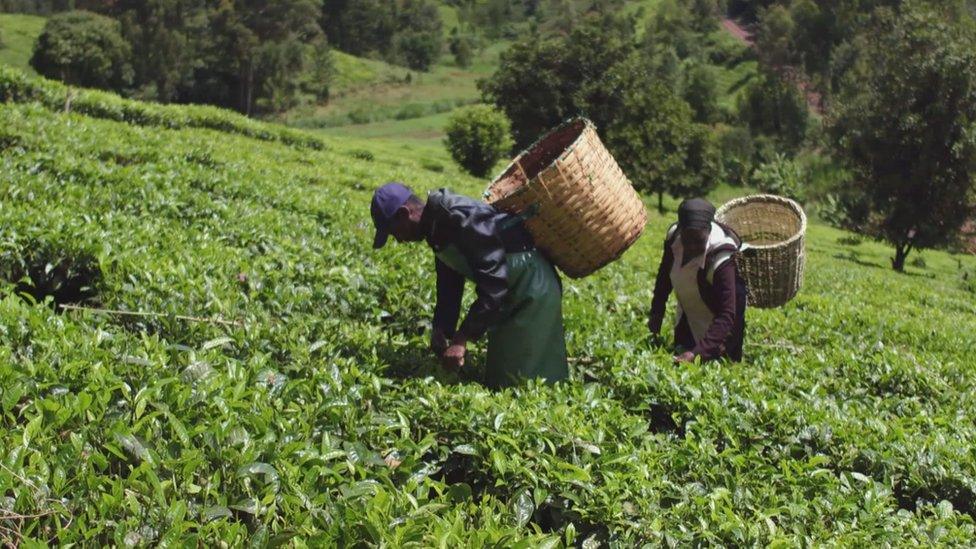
(83, 49)
(39, 7)
(407, 32)
(250, 55)
(543, 81)
(904, 123)
(772, 106)
(361, 27)
(420, 38)
(609, 78)
(658, 145)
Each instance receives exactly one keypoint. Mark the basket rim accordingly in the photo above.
(587, 123)
(782, 200)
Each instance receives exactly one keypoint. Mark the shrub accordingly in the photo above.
(363, 154)
(477, 138)
(781, 176)
(737, 151)
(84, 49)
(462, 49)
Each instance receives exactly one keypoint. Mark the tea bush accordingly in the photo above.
(321, 420)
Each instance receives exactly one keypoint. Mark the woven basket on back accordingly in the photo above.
(772, 229)
(580, 207)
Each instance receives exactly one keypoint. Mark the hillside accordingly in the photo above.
(382, 101)
(19, 32)
(308, 411)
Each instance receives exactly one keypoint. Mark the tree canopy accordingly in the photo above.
(904, 122)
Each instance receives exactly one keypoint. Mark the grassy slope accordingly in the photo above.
(373, 88)
(19, 33)
(863, 384)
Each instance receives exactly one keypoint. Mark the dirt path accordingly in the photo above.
(736, 30)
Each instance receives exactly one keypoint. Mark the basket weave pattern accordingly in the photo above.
(772, 263)
(587, 212)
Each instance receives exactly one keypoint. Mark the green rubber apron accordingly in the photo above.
(528, 341)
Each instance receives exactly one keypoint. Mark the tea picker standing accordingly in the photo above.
(519, 296)
(699, 267)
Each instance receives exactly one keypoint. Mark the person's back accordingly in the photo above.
(518, 295)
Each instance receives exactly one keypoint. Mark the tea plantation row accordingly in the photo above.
(316, 417)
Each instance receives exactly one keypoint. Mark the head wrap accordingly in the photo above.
(696, 213)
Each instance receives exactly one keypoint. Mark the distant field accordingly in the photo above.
(368, 92)
(19, 32)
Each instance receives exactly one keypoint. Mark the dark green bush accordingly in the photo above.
(477, 138)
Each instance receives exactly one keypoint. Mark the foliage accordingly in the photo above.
(773, 106)
(774, 38)
(905, 124)
(540, 83)
(361, 27)
(478, 137)
(83, 49)
(323, 421)
(700, 90)
(671, 29)
(462, 49)
(737, 153)
(658, 145)
(407, 32)
(781, 176)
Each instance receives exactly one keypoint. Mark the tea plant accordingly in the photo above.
(307, 411)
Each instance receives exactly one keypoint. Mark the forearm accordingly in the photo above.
(712, 345)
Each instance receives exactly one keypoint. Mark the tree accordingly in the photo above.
(542, 81)
(904, 123)
(462, 49)
(774, 40)
(478, 137)
(700, 90)
(773, 106)
(420, 38)
(261, 55)
(84, 49)
(737, 152)
(703, 15)
(671, 28)
(361, 27)
(656, 142)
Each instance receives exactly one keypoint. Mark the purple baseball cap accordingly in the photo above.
(386, 201)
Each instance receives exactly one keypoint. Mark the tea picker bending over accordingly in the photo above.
(519, 296)
(699, 267)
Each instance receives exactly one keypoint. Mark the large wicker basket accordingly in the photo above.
(772, 229)
(580, 207)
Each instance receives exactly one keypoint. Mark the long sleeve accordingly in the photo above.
(485, 252)
(662, 288)
(723, 284)
(450, 290)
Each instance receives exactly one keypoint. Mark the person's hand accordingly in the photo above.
(685, 358)
(453, 356)
(438, 342)
(654, 324)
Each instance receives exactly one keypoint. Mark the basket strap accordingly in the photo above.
(521, 217)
